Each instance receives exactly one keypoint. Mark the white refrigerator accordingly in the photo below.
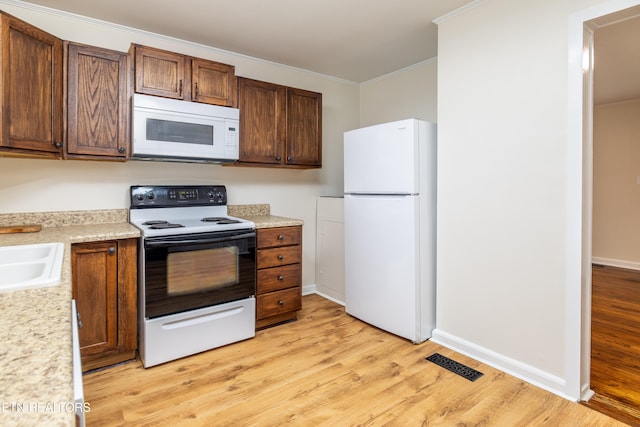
(390, 226)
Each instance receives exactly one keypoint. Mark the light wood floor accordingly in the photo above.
(325, 369)
(615, 342)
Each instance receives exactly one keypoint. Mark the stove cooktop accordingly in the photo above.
(172, 210)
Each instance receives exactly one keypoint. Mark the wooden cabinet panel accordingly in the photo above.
(97, 107)
(104, 285)
(213, 83)
(280, 126)
(279, 302)
(173, 75)
(279, 275)
(304, 127)
(274, 257)
(31, 90)
(262, 121)
(159, 72)
(277, 278)
(95, 271)
(279, 236)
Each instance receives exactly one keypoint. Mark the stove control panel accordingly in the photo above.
(157, 196)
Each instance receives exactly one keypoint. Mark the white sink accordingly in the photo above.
(30, 266)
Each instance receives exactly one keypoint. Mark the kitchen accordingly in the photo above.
(346, 105)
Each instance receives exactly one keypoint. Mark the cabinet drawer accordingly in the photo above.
(278, 302)
(279, 236)
(275, 257)
(276, 278)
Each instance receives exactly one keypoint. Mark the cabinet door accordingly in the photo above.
(262, 121)
(213, 83)
(97, 107)
(161, 73)
(94, 269)
(31, 89)
(304, 127)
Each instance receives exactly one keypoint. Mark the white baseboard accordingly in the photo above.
(537, 377)
(313, 289)
(632, 265)
(309, 289)
(587, 394)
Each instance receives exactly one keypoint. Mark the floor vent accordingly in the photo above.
(455, 367)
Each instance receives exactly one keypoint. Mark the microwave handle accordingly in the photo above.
(163, 243)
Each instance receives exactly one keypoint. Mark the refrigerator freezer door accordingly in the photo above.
(382, 159)
(381, 262)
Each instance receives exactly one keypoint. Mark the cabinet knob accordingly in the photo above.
(281, 237)
(278, 157)
(111, 250)
(280, 302)
(122, 150)
(280, 277)
(58, 144)
(289, 158)
(80, 324)
(280, 257)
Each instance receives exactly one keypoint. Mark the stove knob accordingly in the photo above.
(150, 195)
(140, 197)
(220, 197)
(210, 195)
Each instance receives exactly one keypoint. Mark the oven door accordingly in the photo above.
(186, 272)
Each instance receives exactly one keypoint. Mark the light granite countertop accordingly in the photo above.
(36, 381)
(261, 216)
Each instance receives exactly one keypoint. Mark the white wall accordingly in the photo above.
(407, 93)
(616, 193)
(502, 186)
(56, 185)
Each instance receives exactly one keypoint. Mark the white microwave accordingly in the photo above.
(170, 129)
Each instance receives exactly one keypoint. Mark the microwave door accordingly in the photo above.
(166, 135)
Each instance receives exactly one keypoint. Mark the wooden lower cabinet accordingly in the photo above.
(104, 282)
(279, 275)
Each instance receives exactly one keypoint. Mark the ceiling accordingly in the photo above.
(616, 68)
(355, 40)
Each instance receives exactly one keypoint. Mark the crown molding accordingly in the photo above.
(400, 71)
(459, 11)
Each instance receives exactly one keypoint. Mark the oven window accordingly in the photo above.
(180, 276)
(204, 270)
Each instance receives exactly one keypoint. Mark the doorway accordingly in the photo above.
(615, 321)
(613, 16)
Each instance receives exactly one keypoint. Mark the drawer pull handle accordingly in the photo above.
(280, 302)
(280, 257)
(281, 237)
(281, 277)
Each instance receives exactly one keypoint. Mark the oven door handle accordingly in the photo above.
(162, 243)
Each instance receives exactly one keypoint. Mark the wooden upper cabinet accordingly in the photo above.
(159, 72)
(279, 126)
(304, 127)
(262, 121)
(97, 107)
(32, 104)
(172, 75)
(213, 83)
